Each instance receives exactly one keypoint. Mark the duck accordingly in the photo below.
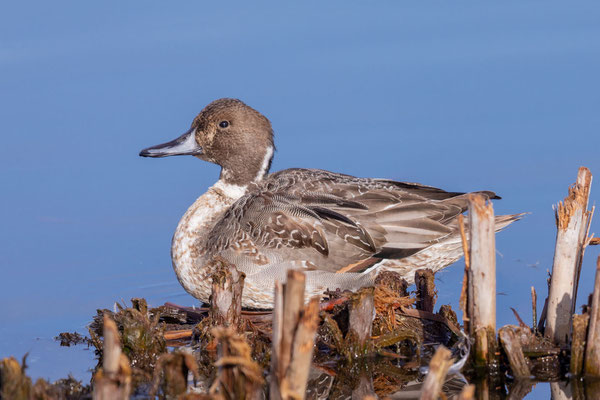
(342, 231)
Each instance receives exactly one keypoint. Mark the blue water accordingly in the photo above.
(461, 96)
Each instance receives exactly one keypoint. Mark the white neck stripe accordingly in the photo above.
(265, 164)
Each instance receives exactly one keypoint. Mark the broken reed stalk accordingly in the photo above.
(514, 352)
(580, 329)
(226, 296)
(542, 320)
(276, 331)
(361, 315)
(14, 382)
(482, 279)
(534, 309)
(302, 350)
(113, 380)
(425, 283)
(294, 331)
(238, 375)
(572, 220)
(111, 352)
(438, 368)
(467, 393)
(393, 281)
(171, 373)
(592, 353)
(293, 302)
(178, 334)
(463, 300)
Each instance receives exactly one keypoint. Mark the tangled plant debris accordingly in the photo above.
(68, 339)
(210, 358)
(15, 384)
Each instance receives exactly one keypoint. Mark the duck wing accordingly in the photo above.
(334, 222)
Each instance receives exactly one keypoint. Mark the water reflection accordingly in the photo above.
(381, 378)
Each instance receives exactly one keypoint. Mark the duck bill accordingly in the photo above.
(184, 145)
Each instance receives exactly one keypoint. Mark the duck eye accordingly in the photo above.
(223, 124)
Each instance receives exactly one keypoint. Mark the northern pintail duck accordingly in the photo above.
(339, 229)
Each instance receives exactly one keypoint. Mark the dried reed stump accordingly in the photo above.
(514, 352)
(481, 297)
(238, 376)
(449, 315)
(534, 309)
(572, 220)
(579, 335)
(426, 294)
(393, 281)
(113, 380)
(360, 321)
(467, 393)
(294, 331)
(438, 368)
(226, 296)
(171, 373)
(463, 300)
(14, 383)
(592, 353)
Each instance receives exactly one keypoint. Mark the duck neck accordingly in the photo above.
(249, 170)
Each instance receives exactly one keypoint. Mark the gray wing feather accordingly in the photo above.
(330, 220)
